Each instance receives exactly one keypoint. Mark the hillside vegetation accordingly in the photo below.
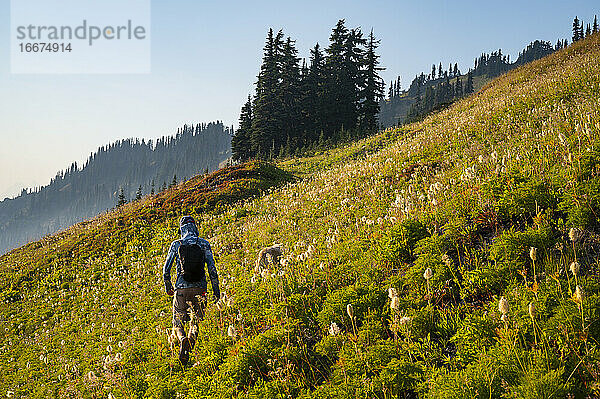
(452, 258)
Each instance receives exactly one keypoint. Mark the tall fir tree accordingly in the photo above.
(289, 95)
(576, 29)
(266, 121)
(373, 89)
(241, 145)
(595, 26)
(469, 85)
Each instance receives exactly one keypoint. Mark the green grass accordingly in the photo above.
(466, 193)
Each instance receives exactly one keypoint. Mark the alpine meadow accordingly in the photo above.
(453, 257)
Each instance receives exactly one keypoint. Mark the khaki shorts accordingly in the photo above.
(187, 301)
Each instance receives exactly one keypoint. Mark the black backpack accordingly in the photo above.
(192, 259)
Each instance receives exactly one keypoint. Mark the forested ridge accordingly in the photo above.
(115, 173)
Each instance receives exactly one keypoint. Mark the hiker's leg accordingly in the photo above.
(179, 314)
(198, 304)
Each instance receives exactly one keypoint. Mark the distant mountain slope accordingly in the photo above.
(395, 109)
(456, 257)
(77, 194)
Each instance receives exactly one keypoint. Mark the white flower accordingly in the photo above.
(395, 303)
(503, 306)
(504, 317)
(392, 292)
(231, 332)
(350, 310)
(334, 329)
(428, 273)
(405, 320)
(532, 310)
(533, 253)
(574, 267)
(578, 296)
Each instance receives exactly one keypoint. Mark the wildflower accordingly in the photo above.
(503, 306)
(395, 303)
(231, 331)
(110, 396)
(574, 267)
(350, 310)
(91, 376)
(392, 292)
(229, 302)
(574, 234)
(118, 357)
(405, 320)
(504, 317)
(109, 349)
(578, 296)
(532, 310)
(428, 273)
(220, 305)
(533, 253)
(334, 329)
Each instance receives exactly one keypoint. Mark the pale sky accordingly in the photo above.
(205, 57)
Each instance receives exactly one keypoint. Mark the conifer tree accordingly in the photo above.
(121, 199)
(588, 30)
(152, 187)
(241, 146)
(138, 194)
(575, 29)
(469, 85)
(433, 72)
(266, 121)
(289, 94)
(595, 26)
(373, 90)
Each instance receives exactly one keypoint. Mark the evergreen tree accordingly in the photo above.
(433, 72)
(266, 121)
(595, 26)
(440, 71)
(588, 30)
(458, 88)
(373, 90)
(138, 194)
(289, 94)
(241, 145)
(469, 85)
(576, 30)
(152, 188)
(121, 199)
(173, 182)
(164, 186)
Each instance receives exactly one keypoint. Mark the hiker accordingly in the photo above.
(189, 254)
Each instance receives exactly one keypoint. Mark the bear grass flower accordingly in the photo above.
(533, 253)
(395, 303)
(350, 310)
(574, 267)
(428, 274)
(532, 310)
(503, 306)
(578, 295)
(334, 329)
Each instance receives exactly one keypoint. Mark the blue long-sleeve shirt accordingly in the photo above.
(189, 235)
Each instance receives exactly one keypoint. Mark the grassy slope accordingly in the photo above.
(466, 192)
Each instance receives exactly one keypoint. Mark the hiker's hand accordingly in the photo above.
(170, 292)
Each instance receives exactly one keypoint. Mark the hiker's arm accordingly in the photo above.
(212, 272)
(167, 269)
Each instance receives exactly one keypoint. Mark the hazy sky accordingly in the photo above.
(205, 57)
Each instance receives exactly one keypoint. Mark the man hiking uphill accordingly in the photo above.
(189, 254)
